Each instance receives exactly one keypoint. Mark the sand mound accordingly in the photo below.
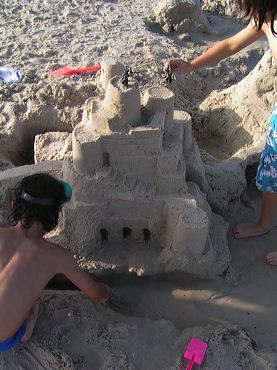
(237, 117)
(74, 334)
(180, 15)
(223, 7)
(231, 128)
(56, 107)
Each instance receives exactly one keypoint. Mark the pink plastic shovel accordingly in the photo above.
(195, 352)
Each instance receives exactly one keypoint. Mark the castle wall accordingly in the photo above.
(143, 166)
(186, 239)
(111, 223)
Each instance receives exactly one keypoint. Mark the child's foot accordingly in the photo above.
(272, 258)
(249, 230)
(31, 321)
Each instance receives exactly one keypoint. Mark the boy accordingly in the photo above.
(28, 262)
(262, 15)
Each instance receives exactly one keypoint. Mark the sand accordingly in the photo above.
(234, 312)
(77, 336)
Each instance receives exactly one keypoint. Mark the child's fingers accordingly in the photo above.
(105, 293)
(167, 66)
(172, 64)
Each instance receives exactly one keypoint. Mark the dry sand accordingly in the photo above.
(238, 319)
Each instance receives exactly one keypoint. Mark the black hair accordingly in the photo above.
(40, 185)
(260, 11)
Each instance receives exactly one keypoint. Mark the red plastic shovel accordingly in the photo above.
(65, 71)
(195, 352)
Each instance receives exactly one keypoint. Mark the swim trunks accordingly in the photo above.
(266, 178)
(12, 341)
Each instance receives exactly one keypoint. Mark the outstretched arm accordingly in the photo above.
(68, 266)
(219, 51)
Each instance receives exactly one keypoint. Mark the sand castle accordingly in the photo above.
(131, 197)
(71, 332)
(133, 208)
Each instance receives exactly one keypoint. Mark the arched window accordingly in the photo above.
(106, 159)
(146, 235)
(126, 233)
(104, 235)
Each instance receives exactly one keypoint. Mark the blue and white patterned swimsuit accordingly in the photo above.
(266, 178)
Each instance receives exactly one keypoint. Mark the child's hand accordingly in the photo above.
(178, 65)
(104, 293)
(117, 302)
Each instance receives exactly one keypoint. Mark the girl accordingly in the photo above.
(262, 15)
(28, 261)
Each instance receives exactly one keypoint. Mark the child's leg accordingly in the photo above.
(31, 321)
(266, 181)
(269, 207)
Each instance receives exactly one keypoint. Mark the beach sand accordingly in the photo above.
(234, 314)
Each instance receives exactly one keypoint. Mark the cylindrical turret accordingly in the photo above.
(157, 99)
(109, 69)
(123, 103)
(87, 150)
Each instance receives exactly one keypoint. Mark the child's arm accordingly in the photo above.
(219, 51)
(68, 266)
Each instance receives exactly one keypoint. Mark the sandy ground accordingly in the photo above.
(250, 303)
(237, 320)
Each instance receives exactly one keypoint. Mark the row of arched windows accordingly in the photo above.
(126, 234)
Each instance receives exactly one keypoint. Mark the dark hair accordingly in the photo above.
(260, 11)
(40, 185)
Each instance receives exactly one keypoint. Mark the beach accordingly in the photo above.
(230, 304)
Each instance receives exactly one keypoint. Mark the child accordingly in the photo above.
(262, 15)
(28, 262)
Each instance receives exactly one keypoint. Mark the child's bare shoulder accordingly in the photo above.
(56, 252)
(53, 248)
(60, 258)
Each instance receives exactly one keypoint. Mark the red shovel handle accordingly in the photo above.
(65, 71)
(87, 69)
(191, 362)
